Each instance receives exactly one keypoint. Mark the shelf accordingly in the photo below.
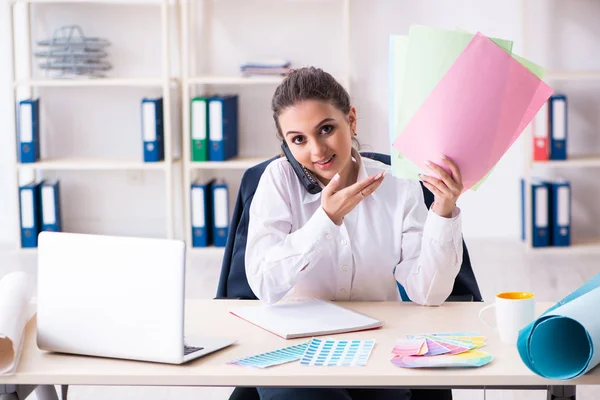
(235, 80)
(91, 164)
(106, 2)
(586, 246)
(234, 163)
(207, 251)
(572, 75)
(95, 82)
(571, 162)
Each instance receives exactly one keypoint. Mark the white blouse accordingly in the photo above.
(294, 250)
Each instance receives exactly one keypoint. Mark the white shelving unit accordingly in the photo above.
(25, 86)
(86, 164)
(587, 246)
(106, 82)
(191, 80)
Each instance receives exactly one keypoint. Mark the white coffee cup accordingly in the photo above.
(514, 311)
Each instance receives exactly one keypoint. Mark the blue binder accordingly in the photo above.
(558, 127)
(223, 127)
(540, 214)
(523, 233)
(29, 204)
(560, 200)
(220, 200)
(153, 130)
(201, 213)
(29, 131)
(50, 200)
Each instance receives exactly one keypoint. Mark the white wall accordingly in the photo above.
(104, 121)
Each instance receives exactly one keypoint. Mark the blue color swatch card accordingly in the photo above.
(345, 353)
(275, 357)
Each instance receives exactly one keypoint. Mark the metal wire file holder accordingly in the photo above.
(73, 54)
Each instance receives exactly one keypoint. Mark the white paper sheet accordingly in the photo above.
(15, 311)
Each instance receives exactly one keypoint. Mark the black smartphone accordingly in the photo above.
(308, 179)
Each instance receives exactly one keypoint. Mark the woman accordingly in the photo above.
(363, 234)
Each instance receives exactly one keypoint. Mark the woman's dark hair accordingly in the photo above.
(308, 83)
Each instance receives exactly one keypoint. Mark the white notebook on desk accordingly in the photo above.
(305, 318)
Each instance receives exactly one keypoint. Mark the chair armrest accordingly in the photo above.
(461, 297)
(234, 298)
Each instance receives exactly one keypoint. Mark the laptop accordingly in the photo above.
(116, 297)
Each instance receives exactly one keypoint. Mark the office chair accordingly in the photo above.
(233, 283)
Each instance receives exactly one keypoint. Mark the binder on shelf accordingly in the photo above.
(540, 134)
(29, 131)
(201, 213)
(152, 129)
(560, 200)
(50, 198)
(523, 219)
(540, 214)
(199, 128)
(223, 127)
(29, 205)
(558, 126)
(220, 200)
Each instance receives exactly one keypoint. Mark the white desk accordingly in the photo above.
(211, 317)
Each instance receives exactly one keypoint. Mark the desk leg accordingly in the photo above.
(561, 392)
(64, 389)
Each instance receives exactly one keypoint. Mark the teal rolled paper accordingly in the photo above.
(561, 343)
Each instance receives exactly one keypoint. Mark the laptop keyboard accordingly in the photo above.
(190, 349)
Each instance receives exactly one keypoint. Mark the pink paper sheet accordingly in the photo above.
(475, 113)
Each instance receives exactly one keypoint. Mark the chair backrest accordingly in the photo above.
(233, 283)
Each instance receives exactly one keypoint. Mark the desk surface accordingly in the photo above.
(211, 317)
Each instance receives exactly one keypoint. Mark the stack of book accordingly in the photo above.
(266, 67)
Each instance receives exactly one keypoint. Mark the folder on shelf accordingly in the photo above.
(220, 200)
(29, 204)
(152, 129)
(541, 134)
(558, 127)
(223, 127)
(29, 131)
(50, 196)
(540, 213)
(560, 200)
(199, 128)
(523, 211)
(201, 213)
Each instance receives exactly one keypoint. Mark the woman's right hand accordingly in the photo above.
(337, 204)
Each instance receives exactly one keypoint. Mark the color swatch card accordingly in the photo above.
(471, 358)
(345, 353)
(410, 347)
(271, 358)
(441, 350)
(454, 342)
(435, 348)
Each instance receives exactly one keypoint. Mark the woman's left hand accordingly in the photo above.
(446, 190)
